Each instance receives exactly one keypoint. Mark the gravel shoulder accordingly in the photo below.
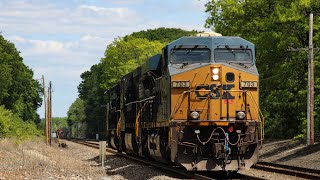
(287, 152)
(35, 160)
(294, 153)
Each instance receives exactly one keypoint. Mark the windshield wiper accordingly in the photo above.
(195, 47)
(184, 64)
(231, 50)
(241, 64)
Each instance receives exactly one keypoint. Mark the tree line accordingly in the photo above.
(20, 94)
(274, 27)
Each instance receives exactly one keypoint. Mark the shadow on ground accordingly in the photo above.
(128, 169)
(305, 151)
(277, 150)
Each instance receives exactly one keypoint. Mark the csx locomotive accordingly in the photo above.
(196, 105)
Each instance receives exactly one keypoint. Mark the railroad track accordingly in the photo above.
(168, 168)
(265, 166)
(288, 170)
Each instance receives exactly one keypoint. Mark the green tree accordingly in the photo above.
(12, 126)
(162, 34)
(92, 94)
(59, 123)
(274, 26)
(122, 56)
(19, 92)
(76, 111)
(76, 117)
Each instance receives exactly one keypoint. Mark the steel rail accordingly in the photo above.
(153, 163)
(165, 167)
(288, 170)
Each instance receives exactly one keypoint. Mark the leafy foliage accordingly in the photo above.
(56, 123)
(12, 126)
(274, 26)
(122, 56)
(76, 111)
(92, 94)
(19, 92)
(162, 34)
(59, 123)
(76, 118)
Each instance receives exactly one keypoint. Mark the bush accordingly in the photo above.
(11, 126)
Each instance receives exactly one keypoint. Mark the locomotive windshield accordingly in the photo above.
(233, 55)
(190, 55)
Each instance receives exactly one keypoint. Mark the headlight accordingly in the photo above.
(194, 115)
(241, 115)
(215, 74)
(215, 70)
(215, 77)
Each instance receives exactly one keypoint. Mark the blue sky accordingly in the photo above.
(61, 39)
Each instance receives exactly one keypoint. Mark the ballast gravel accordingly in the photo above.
(35, 160)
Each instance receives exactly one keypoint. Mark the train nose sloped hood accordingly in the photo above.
(211, 43)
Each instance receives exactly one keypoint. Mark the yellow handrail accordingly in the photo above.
(119, 125)
(180, 100)
(260, 115)
(175, 107)
(137, 119)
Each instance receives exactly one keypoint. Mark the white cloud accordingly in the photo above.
(16, 38)
(85, 44)
(47, 47)
(93, 8)
(120, 12)
(61, 61)
(125, 2)
(90, 38)
(197, 5)
(45, 17)
(62, 39)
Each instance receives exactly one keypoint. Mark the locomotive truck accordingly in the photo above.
(195, 105)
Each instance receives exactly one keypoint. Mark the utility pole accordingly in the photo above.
(45, 110)
(49, 111)
(310, 110)
(310, 98)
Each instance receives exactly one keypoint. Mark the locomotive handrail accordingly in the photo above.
(133, 102)
(180, 100)
(184, 92)
(118, 124)
(137, 120)
(260, 115)
(175, 107)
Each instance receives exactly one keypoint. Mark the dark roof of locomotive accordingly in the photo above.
(211, 42)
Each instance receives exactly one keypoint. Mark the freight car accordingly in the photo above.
(196, 105)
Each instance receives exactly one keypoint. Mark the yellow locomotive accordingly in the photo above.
(196, 105)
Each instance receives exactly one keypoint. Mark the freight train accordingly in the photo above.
(195, 105)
